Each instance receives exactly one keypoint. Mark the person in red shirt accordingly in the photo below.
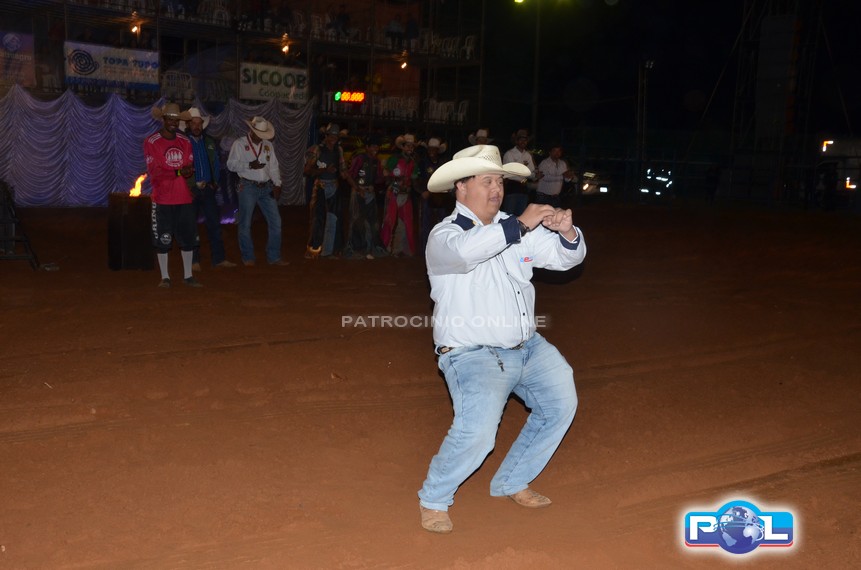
(401, 172)
(170, 165)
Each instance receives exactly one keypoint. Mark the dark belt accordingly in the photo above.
(255, 183)
(444, 349)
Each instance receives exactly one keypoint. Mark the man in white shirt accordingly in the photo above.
(253, 158)
(553, 173)
(480, 263)
(517, 191)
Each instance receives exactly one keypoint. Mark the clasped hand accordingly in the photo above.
(554, 219)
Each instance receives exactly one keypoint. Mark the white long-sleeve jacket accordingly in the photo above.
(481, 277)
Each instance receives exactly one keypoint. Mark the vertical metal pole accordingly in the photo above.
(372, 68)
(158, 47)
(309, 57)
(234, 22)
(65, 29)
(481, 61)
(645, 106)
(535, 68)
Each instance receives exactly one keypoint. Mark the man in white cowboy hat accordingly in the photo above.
(517, 191)
(433, 206)
(401, 171)
(481, 136)
(325, 164)
(480, 262)
(207, 171)
(170, 165)
(253, 158)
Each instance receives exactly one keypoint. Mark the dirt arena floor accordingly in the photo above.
(717, 356)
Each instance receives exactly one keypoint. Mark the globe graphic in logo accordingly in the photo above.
(11, 43)
(740, 530)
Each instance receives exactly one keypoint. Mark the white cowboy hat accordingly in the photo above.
(473, 138)
(170, 110)
(404, 139)
(262, 128)
(474, 161)
(434, 142)
(194, 113)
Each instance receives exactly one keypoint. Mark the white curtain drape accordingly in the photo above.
(62, 153)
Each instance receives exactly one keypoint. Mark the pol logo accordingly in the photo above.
(739, 527)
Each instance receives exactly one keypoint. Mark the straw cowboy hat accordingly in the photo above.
(473, 138)
(262, 128)
(434, 142)
(403, 140)
(195, 113)
(474, 161)
(170, 110)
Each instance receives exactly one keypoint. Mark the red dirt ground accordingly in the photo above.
(716, 355)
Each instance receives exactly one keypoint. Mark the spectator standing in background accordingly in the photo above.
(170, 164)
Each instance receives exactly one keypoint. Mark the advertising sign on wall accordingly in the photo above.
(106, 66)
(266, 82)
(17, 64)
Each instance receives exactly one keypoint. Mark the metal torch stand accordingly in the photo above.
(129, 223)
(11, 233)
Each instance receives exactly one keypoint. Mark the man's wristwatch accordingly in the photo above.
(524, 229)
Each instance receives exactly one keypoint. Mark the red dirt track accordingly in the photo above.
(717, 356)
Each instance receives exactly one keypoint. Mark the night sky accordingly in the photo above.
(591, 51)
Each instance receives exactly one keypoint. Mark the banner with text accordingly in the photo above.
(106, 66)
(17, 61)
(266, 82)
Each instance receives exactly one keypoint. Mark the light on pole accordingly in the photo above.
(646, 67)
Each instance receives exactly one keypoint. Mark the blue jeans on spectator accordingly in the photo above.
(480, 380)
(206, 201)
(364, 233)
(251, 195)
(325, 221)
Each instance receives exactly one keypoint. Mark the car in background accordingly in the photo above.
(591, 184)
(594, 183)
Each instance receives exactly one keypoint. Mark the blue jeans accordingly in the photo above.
(480, 379)
(324, 217)
(364, 232)
(251, 195)
(206, 201)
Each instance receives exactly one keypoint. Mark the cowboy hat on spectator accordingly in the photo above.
(480, 133)
(404, 140)
(196, 114)
(434, 142)
(262, 128)
(334, 129)
(170, 110)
